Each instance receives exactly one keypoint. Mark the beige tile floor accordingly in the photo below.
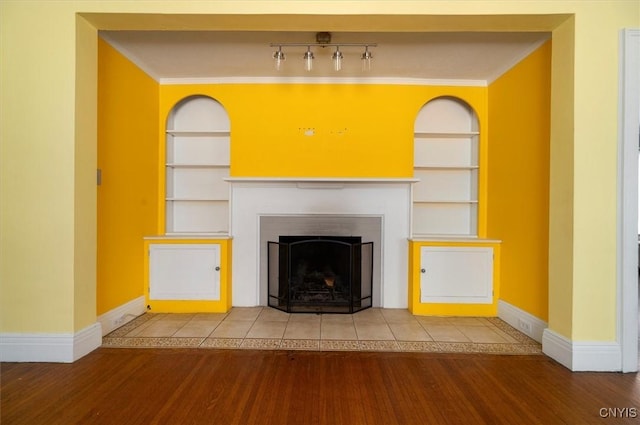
(373, 329)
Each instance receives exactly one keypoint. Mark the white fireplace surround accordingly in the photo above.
(379, 210)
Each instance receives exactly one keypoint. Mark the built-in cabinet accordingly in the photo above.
(184, 272)
(445, 200)
(197, 162)
(454, 277)
(188, 267)
(187, 275)
(456, 274)
(454, 271)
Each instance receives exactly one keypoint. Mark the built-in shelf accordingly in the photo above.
(196, 164)
(320, 180)
(448, 167)
(197, 199)
(187, 133)
(446, 135)
(445, 200)
(451, 238)
(187, 235)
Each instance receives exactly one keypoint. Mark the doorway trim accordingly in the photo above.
(628, 149)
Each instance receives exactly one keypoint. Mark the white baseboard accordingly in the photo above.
(525, 322)
(594, 356)
(580, 356)
(121, 315)
(57, 348)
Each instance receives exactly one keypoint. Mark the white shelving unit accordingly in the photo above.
(197, 162)
(445, 200)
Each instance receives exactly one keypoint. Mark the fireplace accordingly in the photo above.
(377, 209)
(320, 274)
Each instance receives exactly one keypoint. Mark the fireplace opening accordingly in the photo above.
(320, 274)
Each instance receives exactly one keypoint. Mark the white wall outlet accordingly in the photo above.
(524, 326)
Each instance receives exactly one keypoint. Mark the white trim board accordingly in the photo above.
(578, 356)
(323, 80)
(627, 208)
(581, 356)
(525, 322)
(57, 348)
(121, 315)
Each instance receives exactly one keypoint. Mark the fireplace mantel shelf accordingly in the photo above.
(320, 180)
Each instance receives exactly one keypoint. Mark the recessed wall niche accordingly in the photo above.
(445, 200)
(197, 162)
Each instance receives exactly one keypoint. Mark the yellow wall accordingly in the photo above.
(518, 187)
(358, 130)
(128, 158)
(514, 192)
(354, 131)
(44, 216)
(37, 180)
(561, 178)
(85, 151)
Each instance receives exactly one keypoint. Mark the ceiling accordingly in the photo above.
(471, 57)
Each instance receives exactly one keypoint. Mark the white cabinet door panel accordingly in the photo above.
(184, 272)
(456, 275)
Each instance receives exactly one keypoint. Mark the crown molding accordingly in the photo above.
(324, 80)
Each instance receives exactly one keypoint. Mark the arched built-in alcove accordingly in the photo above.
(445, 200)
(197, 162)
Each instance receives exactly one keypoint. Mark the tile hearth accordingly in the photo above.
(375, 329)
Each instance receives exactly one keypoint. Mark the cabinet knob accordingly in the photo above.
(423, 270)
(217, 268)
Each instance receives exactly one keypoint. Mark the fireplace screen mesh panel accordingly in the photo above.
(320, 274)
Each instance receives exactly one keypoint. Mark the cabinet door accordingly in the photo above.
(184, 272)
(462, 275)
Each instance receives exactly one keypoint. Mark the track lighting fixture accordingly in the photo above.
(323, 39)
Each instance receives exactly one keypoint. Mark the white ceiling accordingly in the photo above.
(471, 57)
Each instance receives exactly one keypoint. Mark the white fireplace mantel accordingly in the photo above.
(330, 182)
(324, 179)
(254, 197)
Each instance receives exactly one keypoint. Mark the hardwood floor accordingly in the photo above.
(196, 386)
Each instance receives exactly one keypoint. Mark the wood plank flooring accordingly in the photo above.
(196, 386)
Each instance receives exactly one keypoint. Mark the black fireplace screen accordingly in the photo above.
(320, 274)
